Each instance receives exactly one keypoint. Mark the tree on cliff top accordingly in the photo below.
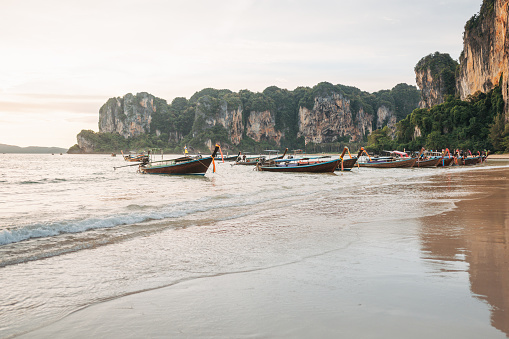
(487, 8)
(194, 122)
(441, 66)
(457, 124)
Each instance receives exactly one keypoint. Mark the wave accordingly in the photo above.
(30, 182)
(42, 181)
(137, 214)
(50, 229)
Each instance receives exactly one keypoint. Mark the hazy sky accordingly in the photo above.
(61, 60)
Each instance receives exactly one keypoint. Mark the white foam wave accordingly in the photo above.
(16, 234)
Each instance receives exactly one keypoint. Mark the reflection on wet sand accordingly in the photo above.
(476, 233)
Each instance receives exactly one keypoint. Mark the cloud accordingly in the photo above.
(43, 104)
(69, 57)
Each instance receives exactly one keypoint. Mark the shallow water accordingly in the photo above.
(74, 232)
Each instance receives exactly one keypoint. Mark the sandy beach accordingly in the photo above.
(499, 156)
(441, 276)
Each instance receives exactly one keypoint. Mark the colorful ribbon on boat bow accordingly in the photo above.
(220, 151)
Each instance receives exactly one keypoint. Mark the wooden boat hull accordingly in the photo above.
(445, 162)
(318, 167)
(348, 164)
(192, 167)
(254, 161)
(390, 164)
(428, 162)
(136, 159)
(469, 161)
(230, 158)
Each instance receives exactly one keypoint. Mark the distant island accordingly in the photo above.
(30, 149)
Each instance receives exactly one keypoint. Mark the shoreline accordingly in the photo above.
(498, 156)
(380, 282)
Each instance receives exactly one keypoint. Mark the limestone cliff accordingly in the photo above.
(262, 126)
(325, 113)
(128, 116)
(332, 118)
(85, 144)
(386, 117)
(485, 57)
(231, 119)
(435, 76)
(211, 112)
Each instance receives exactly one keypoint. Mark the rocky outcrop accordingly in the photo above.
(262, 126)
(435, 77)
(485, 57)
(417, 132)
(325, 113)
(431, 92)
(386, 117)
(231, 119)
(332, 118)
(211, 112)
(175, 137)
(86, 142)
(128, 116)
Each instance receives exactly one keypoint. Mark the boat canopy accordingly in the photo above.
(401, 154)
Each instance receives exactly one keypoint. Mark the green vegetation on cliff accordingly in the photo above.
(442, 67)
(487, 9)
(476, 124)
(195, 122)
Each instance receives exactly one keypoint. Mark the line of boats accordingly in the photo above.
(198, 165)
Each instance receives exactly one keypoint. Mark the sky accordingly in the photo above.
(61, 60)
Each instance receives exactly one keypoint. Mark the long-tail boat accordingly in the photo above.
(429, 162)
(469, 161)
(135, 158)
(231, 157)
(390, 162)
(254, 160)
(299, 165)
(484, 155)
(180, 166)
(348, 164)
(464, 159)
(446, 159)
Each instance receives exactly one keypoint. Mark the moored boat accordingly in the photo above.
(255, 160)
(348, 164)
(180, 166)
(231, 157)
(430, 162)
(466, 158)
(391, 162)
(445, 161)
(135, 158)
(300, 166)
(469, 161)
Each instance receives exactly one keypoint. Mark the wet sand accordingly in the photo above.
(498, 156)
(444, 276)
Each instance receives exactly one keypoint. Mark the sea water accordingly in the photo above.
(75, 232)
